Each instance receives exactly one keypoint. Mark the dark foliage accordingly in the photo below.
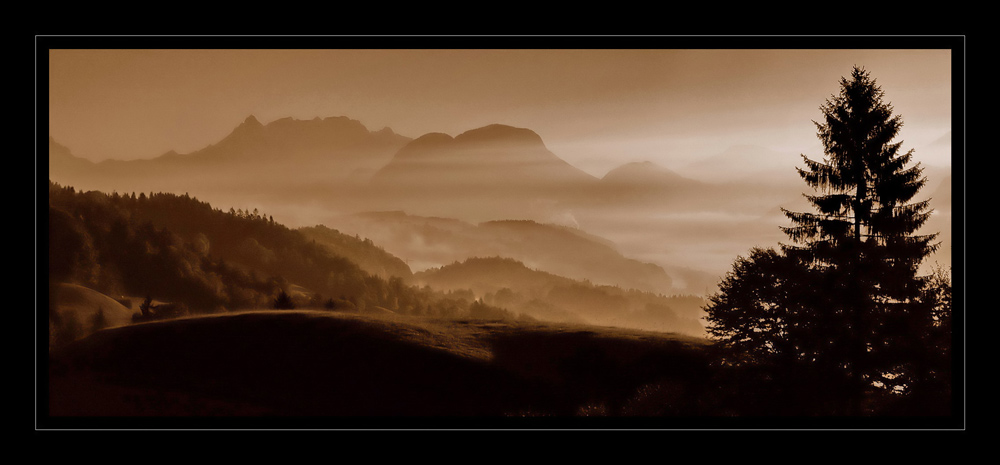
(370, 257)
(180, 250)
(283, 301)
(840, 323)
(111, 243)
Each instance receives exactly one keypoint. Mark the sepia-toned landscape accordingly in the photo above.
(303, 234)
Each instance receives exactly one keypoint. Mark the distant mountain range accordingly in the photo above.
(488, 173)
(370, 257)
(324, 170)
(509, 284)
(194, 259)
(492, 157)
(492, 172)
(284, 160)
(744, 162)
(646, 182)
(425, 242)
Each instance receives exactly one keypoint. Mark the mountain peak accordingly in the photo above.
(249, 125)
(251, 121)
(53, 143)
(386, 131)
(500, 133)
(645, 175)
(642, 165)
(61, 160)
(639, 169)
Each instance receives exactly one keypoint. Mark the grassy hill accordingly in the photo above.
(76, 311)
(509, 284)
(328, 364)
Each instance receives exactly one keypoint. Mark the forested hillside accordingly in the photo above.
(180, 255)
(175, 248)
(370, 257)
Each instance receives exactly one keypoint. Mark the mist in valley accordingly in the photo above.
(430, 199)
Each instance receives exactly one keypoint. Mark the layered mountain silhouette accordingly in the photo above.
(321, 169)
(496, 171)
(646, 174)
(493, 172)
(492, 157)
(509, 284)
(309, 172)
(284, 159)
(369, 256)
(743, 162)
(188, 258)
(642, 183)
(63, 163)
(425, 242)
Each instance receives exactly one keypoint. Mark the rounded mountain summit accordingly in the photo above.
(496, 156)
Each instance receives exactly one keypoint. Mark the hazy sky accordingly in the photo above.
(594, 108)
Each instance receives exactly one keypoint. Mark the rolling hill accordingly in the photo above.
(372, 369)
(195, 259)
(425, 242)
(509, 284)
(76, 312)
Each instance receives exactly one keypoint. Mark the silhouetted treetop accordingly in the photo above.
(842, 306)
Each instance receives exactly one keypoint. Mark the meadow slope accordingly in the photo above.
(306, 363)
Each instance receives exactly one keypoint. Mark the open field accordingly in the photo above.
(327, 364)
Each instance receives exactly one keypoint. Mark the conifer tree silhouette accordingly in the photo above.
(842, 306)
(283, 301)
(863, 237)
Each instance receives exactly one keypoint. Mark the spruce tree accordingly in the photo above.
(863, 240)
(840, 313)
(283, 301)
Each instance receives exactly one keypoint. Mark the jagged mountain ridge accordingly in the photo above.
(284, 159)
(495, 172)
(492, 172)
